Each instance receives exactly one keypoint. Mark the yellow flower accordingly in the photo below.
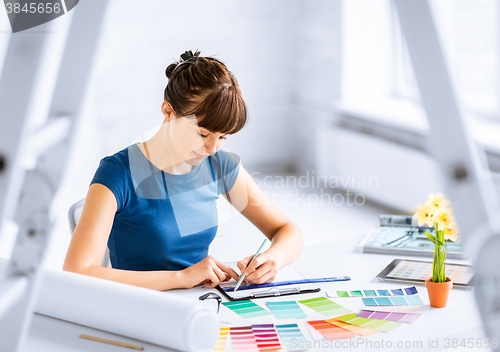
(450, 233)
(437, 201)
(425, 215)
(444, 220)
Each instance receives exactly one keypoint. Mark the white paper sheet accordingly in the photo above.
(152, 316)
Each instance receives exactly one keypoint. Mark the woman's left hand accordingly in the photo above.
(262, 270)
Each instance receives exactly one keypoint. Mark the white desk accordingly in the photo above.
(460, 319)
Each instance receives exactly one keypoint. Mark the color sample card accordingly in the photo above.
(398, 309)
(413, 300)
(325, 306)
(375, 324)
(291, 336)
(392, 316)
(221, 342)
(422, 270)
(266, 337)
(286, 310)
(374, 293)
(246, 309)
(358, 330)
(330, 331)
(242, 338)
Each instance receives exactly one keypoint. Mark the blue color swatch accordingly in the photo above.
(413, 300)
(398, 292)
(286, 310)
(374, 293)
(291, 336)
(411, 290)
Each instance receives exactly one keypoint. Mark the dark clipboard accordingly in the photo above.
(272, 292)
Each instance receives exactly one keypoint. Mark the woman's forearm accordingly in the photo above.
(286, 244)
(156, 280)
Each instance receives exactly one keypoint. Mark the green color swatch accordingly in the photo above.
(325, 306)
(374, 324)
(246, 309)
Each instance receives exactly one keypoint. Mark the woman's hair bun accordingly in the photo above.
(170, 70)
(187, 57)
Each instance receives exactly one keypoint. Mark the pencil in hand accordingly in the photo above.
(255, 256)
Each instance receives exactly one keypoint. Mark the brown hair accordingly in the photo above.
(221, 108)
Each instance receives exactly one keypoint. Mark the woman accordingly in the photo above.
(154, 203)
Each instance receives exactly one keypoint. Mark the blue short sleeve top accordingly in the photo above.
(163, 221)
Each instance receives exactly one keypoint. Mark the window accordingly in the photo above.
(469, 33)
(403, 81)
(378, 82)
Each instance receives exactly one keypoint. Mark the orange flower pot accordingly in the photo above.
(438, 292)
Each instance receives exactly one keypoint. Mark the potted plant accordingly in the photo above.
(435, 213)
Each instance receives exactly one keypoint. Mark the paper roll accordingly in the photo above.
(148, 315)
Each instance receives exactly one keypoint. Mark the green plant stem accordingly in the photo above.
(438, 268)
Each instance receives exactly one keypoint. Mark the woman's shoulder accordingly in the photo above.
(226, 159)
(120, 158)
(115, 165)
(225, 166)
(224, 163)
(113, 172)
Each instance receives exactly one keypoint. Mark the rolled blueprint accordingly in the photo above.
(148, 315)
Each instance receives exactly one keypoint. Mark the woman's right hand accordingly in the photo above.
(209, 271)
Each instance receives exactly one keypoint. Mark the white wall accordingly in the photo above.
(284, 53)
(317, 80)
(252, 38)
(287, 57)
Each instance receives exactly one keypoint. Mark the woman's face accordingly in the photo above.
(191, 142)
